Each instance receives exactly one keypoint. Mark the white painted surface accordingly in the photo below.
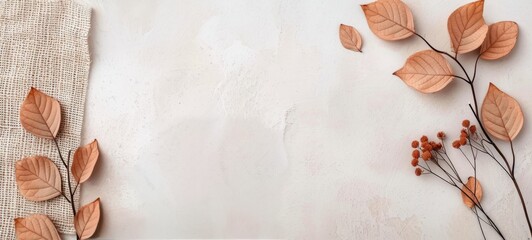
(247, 119)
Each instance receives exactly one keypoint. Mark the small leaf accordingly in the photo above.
(501, 114)
(38, 178)
(467, 27)
(36, 227)
(350, 38)
(87, 218)
(389, 19)
(469, 188)
(427, 71)
(40, 114)
(85, 159)
(500, 40)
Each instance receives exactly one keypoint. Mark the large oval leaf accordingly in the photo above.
(350, 38)
(500, 40)
(36, 227)
(87, 218)
(471, 194)
(389, 19)
(38, 178)
(427, 71)
(85, 159)
(40, 114)
(501, 114)
(467, 27)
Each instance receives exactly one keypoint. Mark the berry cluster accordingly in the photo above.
(425, 150)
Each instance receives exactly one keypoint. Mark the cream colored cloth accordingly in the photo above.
(43, 43)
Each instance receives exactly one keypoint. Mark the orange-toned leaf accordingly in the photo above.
(350, 38)
(389, 19)
(36, 227)
(85, 159)
(500, 40)
(40, 114)
(427, 71)
(467, 27)
(501, 114)
(472, 186)
(38, 178)
(87, 218)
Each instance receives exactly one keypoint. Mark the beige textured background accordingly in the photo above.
(247, 119)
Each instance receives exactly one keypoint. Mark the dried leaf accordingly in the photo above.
(40, 114)
(38, 178)
(427, 71)
(85, 159)
(469, 188)
(389, 19)
(36, 227)
(87, 218)
(350, 38)
(501, 114)
(500, 40)
(467, 27)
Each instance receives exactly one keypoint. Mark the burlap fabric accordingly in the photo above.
(43, 43)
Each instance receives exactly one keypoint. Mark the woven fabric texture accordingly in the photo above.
(44, 44)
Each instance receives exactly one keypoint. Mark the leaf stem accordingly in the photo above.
(476, 114)
(67, 164)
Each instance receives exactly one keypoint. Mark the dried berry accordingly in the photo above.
(415, 144)
(441, 135)
(415, 153)
(426, 155)
(418, 171)
(456, 144)
(473, 129)
(438, 146)
(463, 141)
(415, 162)
(424, 139)
(463, 133)
(465, 123)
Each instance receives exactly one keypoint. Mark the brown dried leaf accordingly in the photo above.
(500, 40)
(467, 27)
(389, 19)
(469, 188)
(501, 114)
(350, 38)
(40, 114)
(36, 227)
(87, 218)
(427, 71)
(85, 159)
(38, 178)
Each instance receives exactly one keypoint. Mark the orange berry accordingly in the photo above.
(415, 162)
(418, 171)
(415, 153)
(465, 123)
(426, 155)
(473, 129)
(424, 139)
(441, 135)
(463, 141)
(438, 146)
(456, 144)
(415, 144)
(428, 147)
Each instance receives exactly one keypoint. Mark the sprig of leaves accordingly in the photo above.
(429, 71)
(39, 179)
